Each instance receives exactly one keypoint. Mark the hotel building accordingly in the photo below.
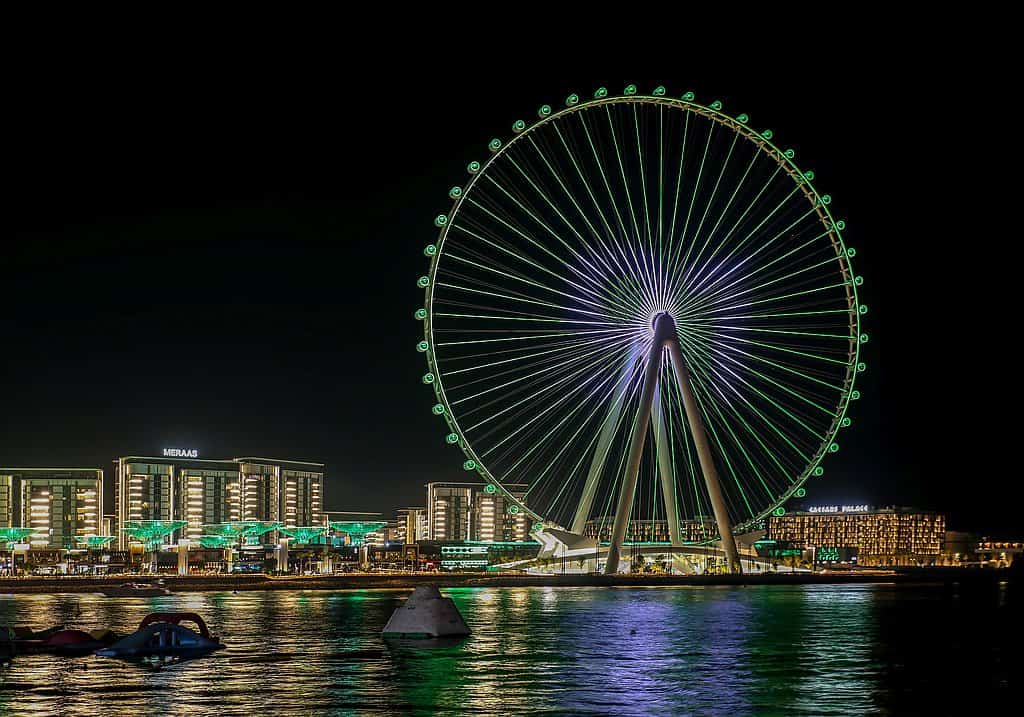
(61, 505)
(883, 536)
(410, 525)
(204, 492)
(474, 511)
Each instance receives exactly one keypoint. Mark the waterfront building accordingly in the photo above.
(61, 505)
(411, 525)
(883, 536)
(652, 531)
(474, 511)
(999, 553)
(180, 486)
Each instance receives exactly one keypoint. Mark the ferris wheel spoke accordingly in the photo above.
(697, 279)
(636, 262)
(522, 299)
(699, 300)
(693, 201)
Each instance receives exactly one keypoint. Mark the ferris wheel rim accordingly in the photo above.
(784, 158)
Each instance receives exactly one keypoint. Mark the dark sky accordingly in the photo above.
(215, 244)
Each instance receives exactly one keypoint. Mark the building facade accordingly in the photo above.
(883, 536)
(652, 531)
(61, 505)
(205, 492)
(410, 525)
(474, 511)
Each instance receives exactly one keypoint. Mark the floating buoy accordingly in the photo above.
(426, 614)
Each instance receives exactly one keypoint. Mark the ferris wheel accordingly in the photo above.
(640, 308)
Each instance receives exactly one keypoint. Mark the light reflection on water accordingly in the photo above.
(707, 650)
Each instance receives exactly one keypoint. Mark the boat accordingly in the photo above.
(161, 633)
(135, 590)
(57, 640)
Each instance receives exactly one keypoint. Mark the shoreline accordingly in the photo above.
(176, 584)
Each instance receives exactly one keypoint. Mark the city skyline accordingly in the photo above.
(237, 309)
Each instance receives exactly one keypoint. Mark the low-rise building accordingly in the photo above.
(61, 505)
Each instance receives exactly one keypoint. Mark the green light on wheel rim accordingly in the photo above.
(544, 111)
(428, 378)
(600, 92)
(630, 90)
(422, 346)
(513, 509)
(743, 118)
(469, 465)
(845, 423)
(420, 314)
(572, 100)
(800, 492)
(833, 447)
(494, 145)
(455, 192)
(819, 471)
(779, 512)
(659, 91)
(452, 438)
(490, 489)
(518, 126)
(423, 282)
(440, 220)
(473, 167)
(854, 395)
(716, 105)
(438, 409)
(537, 527)
(429, 250)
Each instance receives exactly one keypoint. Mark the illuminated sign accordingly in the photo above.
(181, 453)
(838, 508)
(828, 555)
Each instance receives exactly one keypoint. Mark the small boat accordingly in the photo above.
(136, 590)
(161, 634)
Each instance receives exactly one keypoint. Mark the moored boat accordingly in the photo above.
(161, 634)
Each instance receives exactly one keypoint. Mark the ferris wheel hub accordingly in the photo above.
(663, 325)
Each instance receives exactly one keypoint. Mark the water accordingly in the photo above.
(788, 650)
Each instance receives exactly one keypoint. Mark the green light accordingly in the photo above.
(544, 111)
(422, 346)
(742, 118)
(855, 395)
(91, 541)
(800, 492)
(851, 252)
(861, 367)
(452, 438)
(716, 105)
(863, 338)
(600, 92)
(420, 314)
(808, 175)
(826, 198)
(630, 90)
(490, 489)
(428, 378)
(455, 192)
(440, 220)
(423, 282)
(357, 530)
(438, 409)
(659, 91)
(572, 100)
(789, 154)
(151, 532)
(863, 309)
(540, 526)
(688, 96)
(780, 511)
(518, 126)
(14, 535)
(858, 280)
(767, 134)
(513, 509)
(833, 447)
(469, 465)
(494, 145)
(304, 534)
(819, 471)
(845, 423)
(473, 167)
(429, 250)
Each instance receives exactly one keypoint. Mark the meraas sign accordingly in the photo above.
(181, 453)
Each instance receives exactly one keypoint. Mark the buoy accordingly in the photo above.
(426, 614)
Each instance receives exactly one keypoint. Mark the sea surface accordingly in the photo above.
(785, 650)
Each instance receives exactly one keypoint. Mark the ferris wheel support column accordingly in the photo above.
(636, 451)
(668, 492)
(707, 463)
(604, 441)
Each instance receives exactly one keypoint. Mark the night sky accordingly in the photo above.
(218, 249)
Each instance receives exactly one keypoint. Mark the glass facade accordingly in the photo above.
(61, 505)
